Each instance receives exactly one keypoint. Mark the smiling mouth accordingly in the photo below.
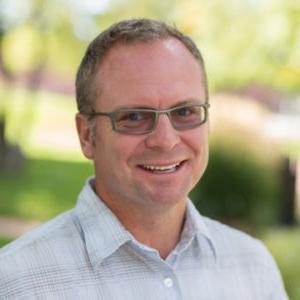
(162, 169)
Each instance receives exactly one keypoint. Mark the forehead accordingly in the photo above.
(151, 74)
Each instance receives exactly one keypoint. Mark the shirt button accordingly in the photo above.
(168, 282)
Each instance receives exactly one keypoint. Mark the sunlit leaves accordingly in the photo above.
(242, 41)
(23, 48)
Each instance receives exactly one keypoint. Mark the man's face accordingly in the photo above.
(157, 75)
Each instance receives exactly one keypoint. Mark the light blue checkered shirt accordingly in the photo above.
(86, 253)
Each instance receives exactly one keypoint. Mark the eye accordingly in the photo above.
(184, 111)
(129, 116)
(134, 120)
(134, 116)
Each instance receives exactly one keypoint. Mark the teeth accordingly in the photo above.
(161, 168)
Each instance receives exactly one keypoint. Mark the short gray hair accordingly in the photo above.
(125, 32)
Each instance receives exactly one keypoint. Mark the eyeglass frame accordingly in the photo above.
(157, 112)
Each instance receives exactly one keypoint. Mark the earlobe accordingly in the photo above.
(85, 136)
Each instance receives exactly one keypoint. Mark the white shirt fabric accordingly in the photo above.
(86, 253)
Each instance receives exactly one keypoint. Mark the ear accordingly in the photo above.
(85, 136)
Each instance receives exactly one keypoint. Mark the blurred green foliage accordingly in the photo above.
(44, 189)
(4, 241)
(260, 38)
(35, 117)
(239, 185)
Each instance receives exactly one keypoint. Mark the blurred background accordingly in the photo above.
(251, 49)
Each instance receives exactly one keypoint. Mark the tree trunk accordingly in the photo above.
(288, 216)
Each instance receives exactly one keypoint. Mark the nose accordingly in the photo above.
(164, 137)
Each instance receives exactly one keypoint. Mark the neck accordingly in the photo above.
(160, 232)
(159, 228)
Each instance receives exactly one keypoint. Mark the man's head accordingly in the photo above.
(147, 67)
(125, 32)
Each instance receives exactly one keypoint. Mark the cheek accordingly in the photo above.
(199, 146)
(198, 141)
(118, 150)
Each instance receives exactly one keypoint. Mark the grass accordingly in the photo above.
(4, 241)
(45, 188)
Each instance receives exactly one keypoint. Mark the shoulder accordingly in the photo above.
(45, 244)
(247, 256)
(46, 259)
(238, 246)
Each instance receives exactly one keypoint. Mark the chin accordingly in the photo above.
(167, 198)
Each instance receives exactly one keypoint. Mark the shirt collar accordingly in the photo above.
(94, 216)
(195, 226)
(102, 231)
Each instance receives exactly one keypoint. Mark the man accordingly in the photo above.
(143, 120)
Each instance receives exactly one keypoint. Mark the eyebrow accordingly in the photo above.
(187, 102)
(194, 101)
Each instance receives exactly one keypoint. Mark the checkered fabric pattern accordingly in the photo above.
(86, 253)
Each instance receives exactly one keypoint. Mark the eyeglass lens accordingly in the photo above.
(140, 121)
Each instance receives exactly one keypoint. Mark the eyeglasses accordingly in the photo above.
(141, 121)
